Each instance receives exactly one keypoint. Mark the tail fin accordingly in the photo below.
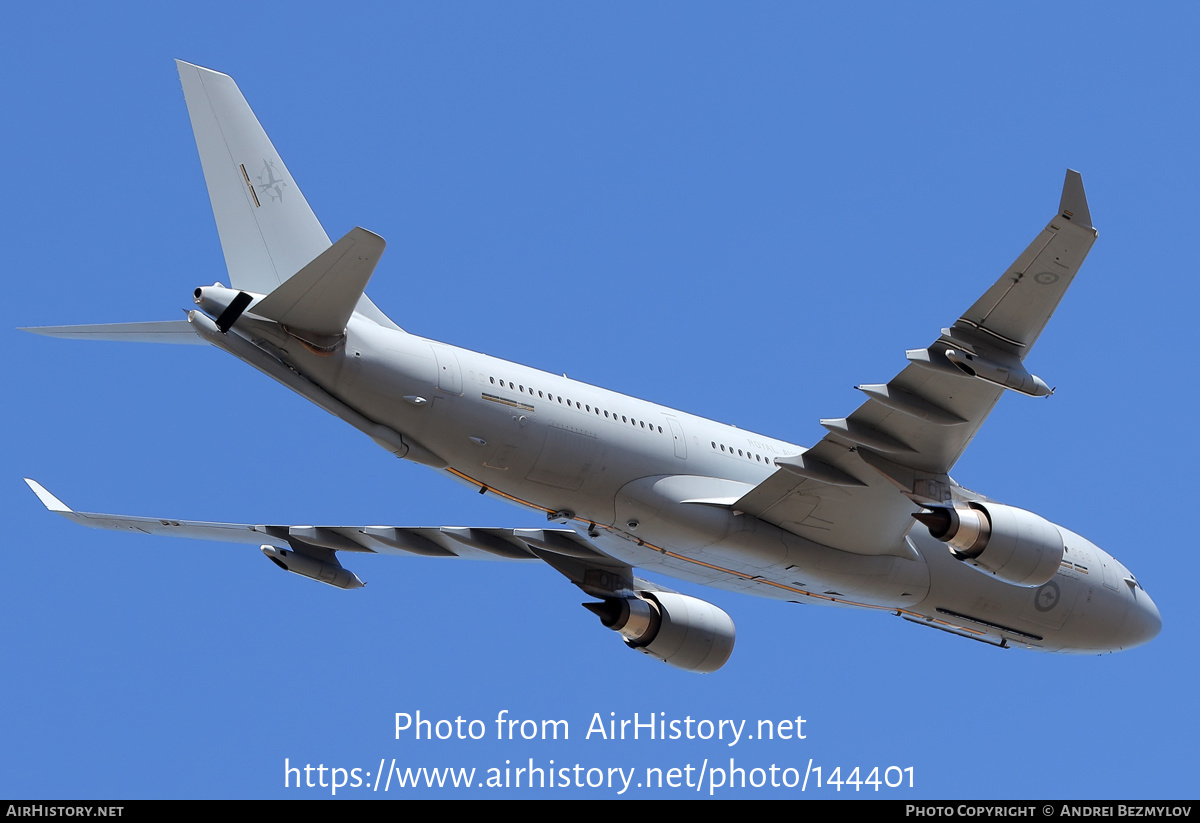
(268, 231)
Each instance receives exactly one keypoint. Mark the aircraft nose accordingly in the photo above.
(1143, 622)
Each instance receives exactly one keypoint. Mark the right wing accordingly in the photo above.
(857, 488)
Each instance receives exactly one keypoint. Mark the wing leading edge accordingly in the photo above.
(856, 489)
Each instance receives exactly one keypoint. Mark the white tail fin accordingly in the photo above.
(268, 231)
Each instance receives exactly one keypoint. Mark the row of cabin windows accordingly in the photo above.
(730, 450)
(581, 406)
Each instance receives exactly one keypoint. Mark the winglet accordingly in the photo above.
(48, 500)
(1073, 205)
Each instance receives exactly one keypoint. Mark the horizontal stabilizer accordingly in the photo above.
(321, 296)
(178, 332)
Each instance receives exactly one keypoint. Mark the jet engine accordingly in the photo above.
(682, 631)
(1015, 545)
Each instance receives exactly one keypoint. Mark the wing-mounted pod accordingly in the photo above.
(993, 337)
(324, 571)
(1011, 375)
(954, 355)
(1015, 545)
(682, 631)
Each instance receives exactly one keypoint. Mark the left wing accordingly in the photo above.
(857, 488)
(682, 631)
(316, 546)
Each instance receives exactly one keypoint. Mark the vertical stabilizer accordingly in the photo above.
(268, 231)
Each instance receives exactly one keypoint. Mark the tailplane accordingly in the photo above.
(179, 332)
(319, 299)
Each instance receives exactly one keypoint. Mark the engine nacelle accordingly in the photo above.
(1015, 545)
(682, 631)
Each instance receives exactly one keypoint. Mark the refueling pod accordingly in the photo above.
(304, 565)
(1008, 375)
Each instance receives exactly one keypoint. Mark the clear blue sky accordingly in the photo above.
(741, 213)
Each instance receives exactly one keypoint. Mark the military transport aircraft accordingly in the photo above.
(868, 517)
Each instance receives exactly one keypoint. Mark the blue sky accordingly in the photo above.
(738, 213)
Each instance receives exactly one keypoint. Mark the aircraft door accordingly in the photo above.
(449, 374)
(566, 458)
(677, 437)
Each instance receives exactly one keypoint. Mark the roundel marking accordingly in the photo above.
(1047, 597)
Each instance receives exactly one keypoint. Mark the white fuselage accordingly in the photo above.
(653, 487)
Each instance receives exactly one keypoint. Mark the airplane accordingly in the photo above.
(867, 518)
